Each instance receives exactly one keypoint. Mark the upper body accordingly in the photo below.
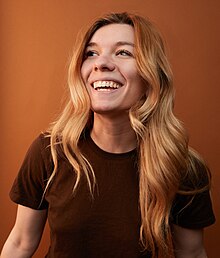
(120, 183)
(84, 226)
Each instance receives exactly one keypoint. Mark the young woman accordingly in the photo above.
(114, 175)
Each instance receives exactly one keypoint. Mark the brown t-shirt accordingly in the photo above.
(106, 225)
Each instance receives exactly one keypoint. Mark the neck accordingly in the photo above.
(113, 135)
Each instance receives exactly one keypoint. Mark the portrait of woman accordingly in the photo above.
(114, 174)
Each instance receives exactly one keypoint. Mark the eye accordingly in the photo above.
(90, 53)
(123, 52)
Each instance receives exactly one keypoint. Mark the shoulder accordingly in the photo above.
(40, 143)
(39, 151)
(197, 175)
(36, 168)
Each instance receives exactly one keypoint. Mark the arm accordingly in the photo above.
(188, 243)
(26, 233)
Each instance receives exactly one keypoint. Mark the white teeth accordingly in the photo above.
(108, 84)
(103, 89)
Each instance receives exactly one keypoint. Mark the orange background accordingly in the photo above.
(36, 40)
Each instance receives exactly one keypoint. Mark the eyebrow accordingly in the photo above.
(119, 43)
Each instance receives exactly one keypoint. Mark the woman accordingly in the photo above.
(114, 174)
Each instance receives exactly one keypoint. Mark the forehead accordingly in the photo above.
(113, 33)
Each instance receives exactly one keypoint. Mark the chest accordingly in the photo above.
(114, 206)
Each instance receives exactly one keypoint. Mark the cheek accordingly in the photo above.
(129, 71)
(138, 86)
(85, 71)
(134, 78)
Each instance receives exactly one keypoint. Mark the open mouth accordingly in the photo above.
(106, 85)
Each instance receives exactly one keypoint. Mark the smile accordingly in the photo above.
(106, 85)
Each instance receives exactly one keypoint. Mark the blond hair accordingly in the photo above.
(164, 156)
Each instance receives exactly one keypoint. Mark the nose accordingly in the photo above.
(104, 64)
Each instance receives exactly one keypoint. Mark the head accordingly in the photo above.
(151, 61)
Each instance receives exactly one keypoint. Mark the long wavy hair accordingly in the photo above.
(164, 157)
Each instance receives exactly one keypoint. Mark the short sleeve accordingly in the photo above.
(29, 185)
(194, 211)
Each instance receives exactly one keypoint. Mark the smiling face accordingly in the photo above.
(109, 70)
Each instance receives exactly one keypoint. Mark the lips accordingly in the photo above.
(106, 85)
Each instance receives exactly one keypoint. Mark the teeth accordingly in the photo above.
(103, 89)
(103, 84)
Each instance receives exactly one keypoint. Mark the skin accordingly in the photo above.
(110, 57)
(188, 243)
(106, 60)
(26, 233)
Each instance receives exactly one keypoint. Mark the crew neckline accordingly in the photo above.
(108, 155)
